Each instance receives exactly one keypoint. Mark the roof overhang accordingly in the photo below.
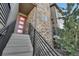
(54, 4)
(25, 8)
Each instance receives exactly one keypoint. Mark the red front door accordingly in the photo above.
(21, 24)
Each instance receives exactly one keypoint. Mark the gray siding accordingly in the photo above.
(13, 13)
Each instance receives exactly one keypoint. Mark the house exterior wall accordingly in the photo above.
(32, 17)
(54, 20)
(59, 21)
(40, 19)
(13, 13)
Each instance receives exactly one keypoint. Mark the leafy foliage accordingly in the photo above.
(69, 36)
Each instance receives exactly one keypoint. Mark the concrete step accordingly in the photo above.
(19, 44)
(17, 49)
(18, 54)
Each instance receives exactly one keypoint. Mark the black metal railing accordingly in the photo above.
(4, 12)
(5, 34)
(40, 45)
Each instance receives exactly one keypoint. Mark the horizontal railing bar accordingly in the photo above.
(40, 43)
(47, 46)
(46, 43)
(42, 46)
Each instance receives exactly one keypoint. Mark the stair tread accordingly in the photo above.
(18, 54)
(17, 49)
(18, 43)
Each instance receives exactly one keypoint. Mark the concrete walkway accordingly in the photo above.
(18, 45)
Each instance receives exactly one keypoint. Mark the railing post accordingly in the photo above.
(34, 43)
(29, 29)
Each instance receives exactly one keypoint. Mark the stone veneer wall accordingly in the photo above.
(32, 17)
(40, 19)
